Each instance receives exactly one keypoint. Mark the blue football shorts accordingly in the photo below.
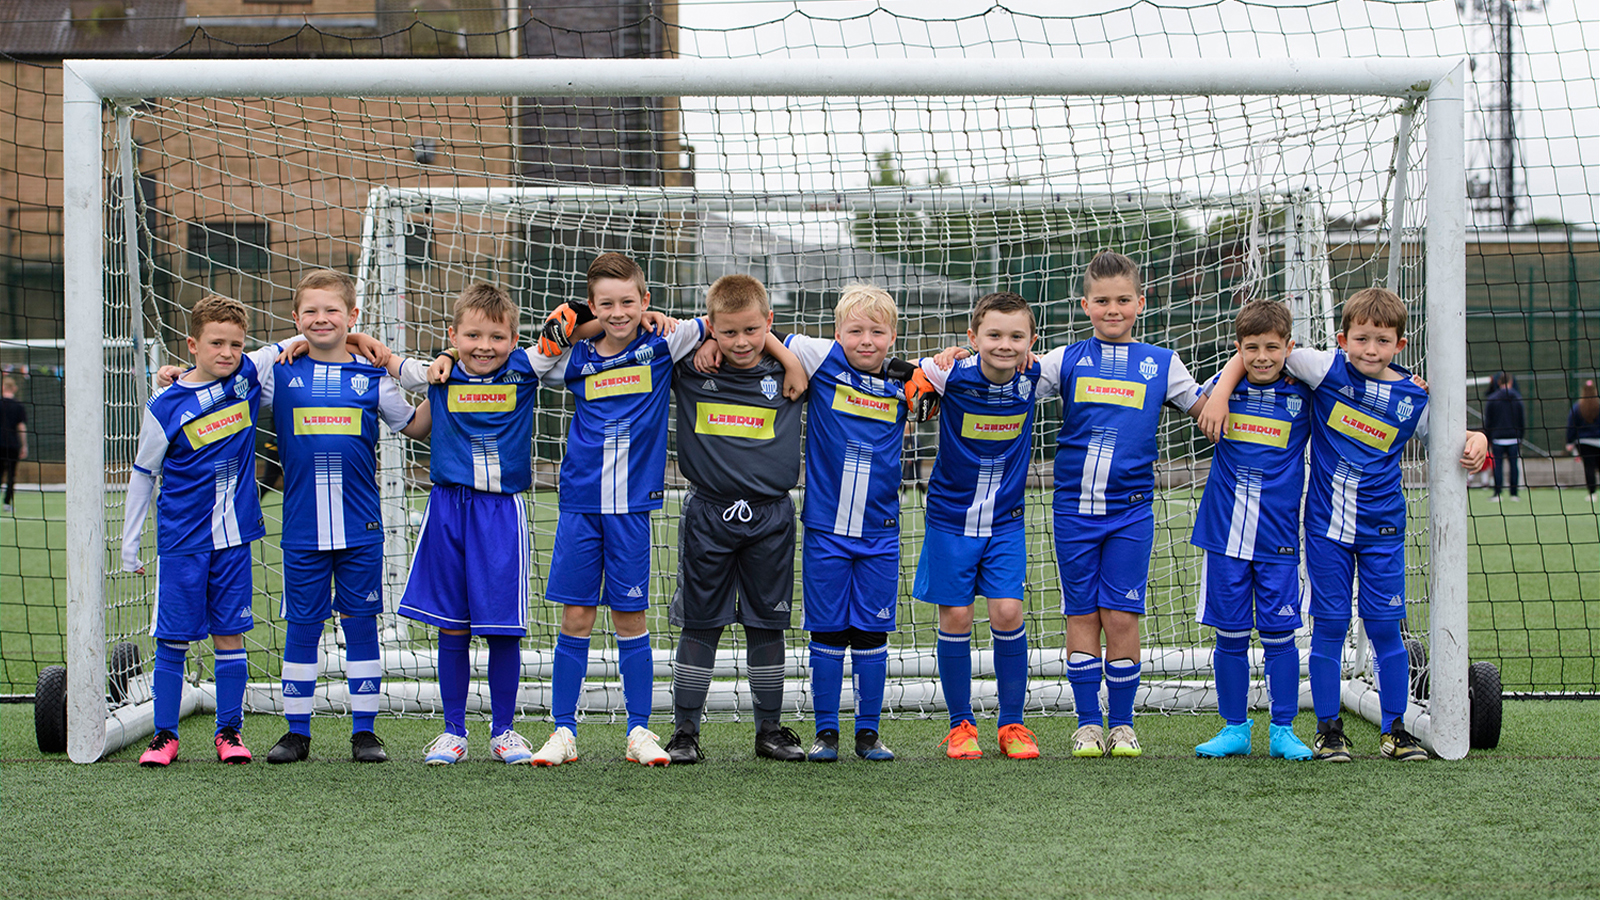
(954, 568)
(357, 576)
(595, 548)
(1333, 569)
(1238, 594)
(202, 594)
(849, 582)
(470, 568)
(1104, 561)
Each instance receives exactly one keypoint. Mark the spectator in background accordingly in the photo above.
(1583, 433)
(1504, 421)
(13, 436)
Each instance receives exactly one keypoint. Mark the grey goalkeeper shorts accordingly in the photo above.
(735, 563)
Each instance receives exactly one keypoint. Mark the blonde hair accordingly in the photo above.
(492, 302)
(736, 293)
(1380, 307)
(868, 301)
(615, 265)
(8, 384)
(327, 280)
(217, 308)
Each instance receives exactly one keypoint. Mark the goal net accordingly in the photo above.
(1226, 182)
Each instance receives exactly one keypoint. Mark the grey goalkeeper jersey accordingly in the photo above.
(738, 438)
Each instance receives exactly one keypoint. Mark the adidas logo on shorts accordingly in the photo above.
(1132, 595)
(884, 613)
(783, 606)
(635, 591)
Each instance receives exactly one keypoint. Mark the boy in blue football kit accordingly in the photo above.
(326, 406)
(198, 437)
(1355, 520)
(975, 542)
(612, 479)
(738, 437)
(1113, 389)
(850, 572)
(469, 573)
(1248, 525)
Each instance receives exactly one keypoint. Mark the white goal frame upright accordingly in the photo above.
(1437, 83)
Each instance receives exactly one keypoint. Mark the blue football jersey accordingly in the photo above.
(855, 425)
(1112, 396)
(1354, 494)
(201, 440)
(482, 425)
(616, 454)
(985, 445)
(1261, 457)
(326, 416)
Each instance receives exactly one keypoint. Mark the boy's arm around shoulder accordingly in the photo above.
(794, 371)
(1213, 416)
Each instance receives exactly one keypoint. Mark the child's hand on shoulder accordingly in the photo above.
(1214, 419)
(1420, 382)
(376, 351)
(439, 370)
(659, 323)
(947, 357)
(708, 358)
(794, 384)
(166, 375)
(293, 351)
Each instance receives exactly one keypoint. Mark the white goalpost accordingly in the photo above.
(941, 182)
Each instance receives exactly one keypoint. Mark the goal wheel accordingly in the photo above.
(1417, 656)
(126, 664)
(1483, 703)
(50, 709)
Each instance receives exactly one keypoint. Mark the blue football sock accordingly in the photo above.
(869, 671)
(1231, 664)
(455, 673)
(1391, 666)
(955, 675)
(299, 677)
(827, 680)
(1283, 675)
(1084, 674)
(1122, 683)
(566, 680)
(166, 683)
(232, 670)
(1325, 664)
(505, 677)
(363, 667)
(638, 678)
(1011, 672)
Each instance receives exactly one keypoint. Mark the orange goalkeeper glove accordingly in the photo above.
(556, 335)
(922, 398)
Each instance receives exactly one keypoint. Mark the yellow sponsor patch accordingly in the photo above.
(615, 382)
(732, 420)
(327, 420)
(1106, 390)
(470, 398)
(218, 425)
(849, 400)
(992, 428)
(1257, 430)
(1364, 428)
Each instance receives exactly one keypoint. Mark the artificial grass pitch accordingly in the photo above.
(1522, 820)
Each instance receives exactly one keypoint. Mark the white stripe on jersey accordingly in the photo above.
(614, 467)
(1375, 397)
(1113, 360)
(327, 381)
(1344, 503)
(329, 486)
(224, 516)
(1246, 513)
(980, 515)
(485, 462)
(854, 487)
(1096, 472)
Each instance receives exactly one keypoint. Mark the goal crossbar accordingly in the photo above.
(88, 85)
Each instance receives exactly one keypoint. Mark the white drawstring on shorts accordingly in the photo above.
(740, 509)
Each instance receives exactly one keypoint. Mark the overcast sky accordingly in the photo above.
(1557, 66)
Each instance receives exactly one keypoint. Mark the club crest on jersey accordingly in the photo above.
(769, 387)
(359, 383)
(1024, 389)
(240, 385)
(1404, 409)
(645, 353)
(512, 378)
(1292, 404)
(1148, 368)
